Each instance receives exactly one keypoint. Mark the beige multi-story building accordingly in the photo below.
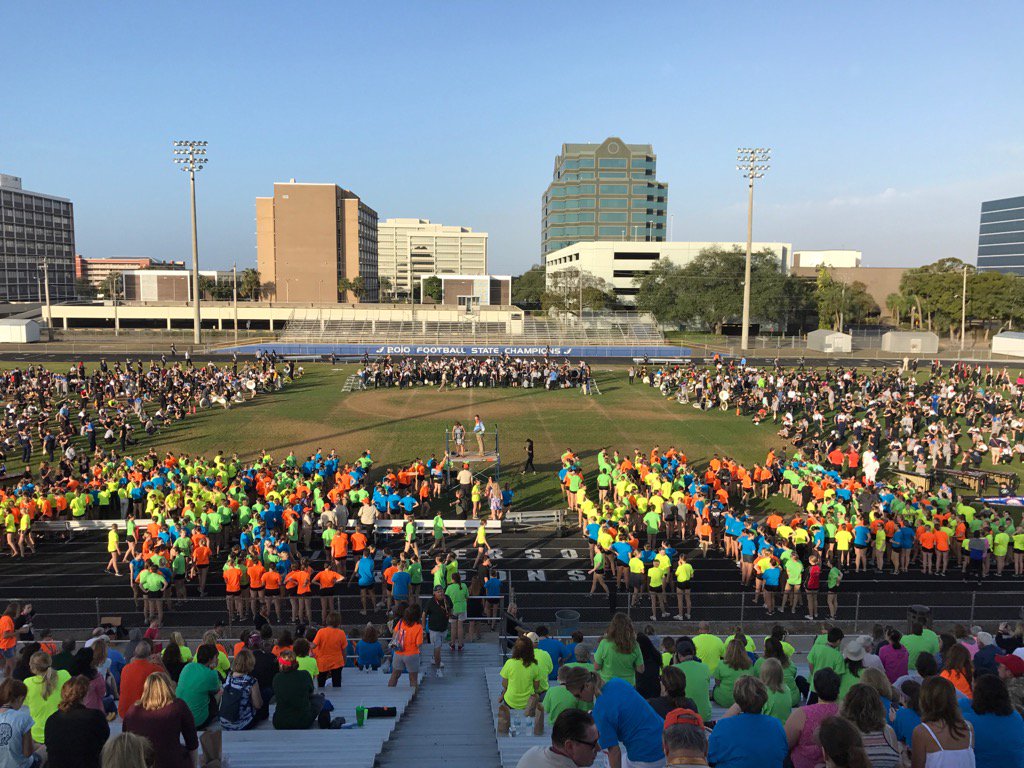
(618, 263)
(413, 248)
(311, 237)
(97, 271)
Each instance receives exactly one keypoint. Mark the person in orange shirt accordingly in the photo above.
(8, 638)
(357, 542)
(339, 550)
(233, 589)
(272, 592)
(326, 583)
(927, 539)
(958, 669)
(296, 584)
(201, 560)
(329, 650)
(941, 551)
(408, 639)
(255, 570)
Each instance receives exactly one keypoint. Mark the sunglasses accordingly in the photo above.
(591, 744)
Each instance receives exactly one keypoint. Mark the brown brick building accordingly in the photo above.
(309, 237)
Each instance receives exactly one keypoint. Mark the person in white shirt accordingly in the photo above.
(573, 743)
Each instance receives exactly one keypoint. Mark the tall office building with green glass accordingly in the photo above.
(606, 191)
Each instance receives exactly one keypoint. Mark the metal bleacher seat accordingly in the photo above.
(265, 747)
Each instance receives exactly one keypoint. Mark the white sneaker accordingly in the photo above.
(678, 617)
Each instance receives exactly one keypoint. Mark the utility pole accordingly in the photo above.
(234, 295)
(191, 156)
(963, 311)
(752, 162)
(46, 288)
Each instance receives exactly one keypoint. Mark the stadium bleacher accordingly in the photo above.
(608, 329)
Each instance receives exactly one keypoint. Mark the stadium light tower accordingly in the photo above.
(191, 156)
(752, 162)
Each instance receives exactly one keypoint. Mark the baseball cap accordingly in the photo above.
(1013, 664)
(438, 588)
(984, 638)
(683, 717)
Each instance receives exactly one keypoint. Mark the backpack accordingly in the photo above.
(398, 637)
(231, 701)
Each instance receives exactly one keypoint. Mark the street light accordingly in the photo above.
(191, 156)
(752, 162)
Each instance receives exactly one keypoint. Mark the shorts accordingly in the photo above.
(437, 638)
(656, 590)
(684, 586)
(8, 653)
(860, 546)
(366, 585)
(748, 558)
(461, 616)
(832, 590)
(236, 593)
(493, 601)
(773, 587)
(327, 591)
(636, 580)
(410, 663)
(256, 591)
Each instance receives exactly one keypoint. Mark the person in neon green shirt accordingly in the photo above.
(709, 648)
(735, 664)
(618, 653)
(520, 683)
(44, 687)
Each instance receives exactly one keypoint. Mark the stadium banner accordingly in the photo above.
(461, 350)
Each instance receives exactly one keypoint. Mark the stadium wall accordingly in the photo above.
(422, 350)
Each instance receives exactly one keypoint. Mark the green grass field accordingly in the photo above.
(399, 426)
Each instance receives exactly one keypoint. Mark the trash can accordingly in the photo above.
(919, 613)
(567, 621)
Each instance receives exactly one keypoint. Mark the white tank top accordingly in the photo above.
(950, 758)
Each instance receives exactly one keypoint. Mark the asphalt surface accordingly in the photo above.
(545, 572)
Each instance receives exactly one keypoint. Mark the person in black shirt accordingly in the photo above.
(75, 734)
(436, 614)
(529, 457)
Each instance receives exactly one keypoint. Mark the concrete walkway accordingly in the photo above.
(448, 724)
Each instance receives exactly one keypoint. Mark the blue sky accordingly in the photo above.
(890, 122)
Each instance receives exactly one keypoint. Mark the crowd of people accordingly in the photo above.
(647, 506)
(448, 373)
(886, 701)
(66, 416)
(58, 698)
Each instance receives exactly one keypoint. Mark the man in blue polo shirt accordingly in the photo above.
(626, 722)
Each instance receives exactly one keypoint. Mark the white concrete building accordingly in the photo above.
(837, 259)
(408, 249)
(618, 262)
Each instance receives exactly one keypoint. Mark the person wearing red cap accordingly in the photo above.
(684, 739)
(1011, 672)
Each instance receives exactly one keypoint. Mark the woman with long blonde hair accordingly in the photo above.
(43, 692)
(128, 750)
(166, 721)
(618, 654)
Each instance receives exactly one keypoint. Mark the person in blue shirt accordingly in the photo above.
(408, 503)
(365, 577)
(748, 739)
(772, 576)
(555, 649)
(625, 721)
(369, 651)
(998, 727)
(908, 717)
(400, 581)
